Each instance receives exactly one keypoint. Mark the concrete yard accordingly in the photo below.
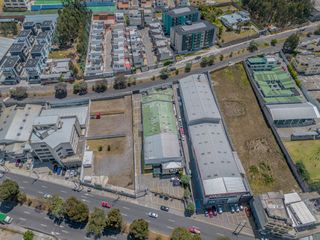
(259, 153)
(110, 138)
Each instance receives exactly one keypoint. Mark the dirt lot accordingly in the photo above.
(261, 157)
(113, 157)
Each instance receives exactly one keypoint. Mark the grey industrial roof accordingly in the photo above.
(37, 48)
(32, 62)
(17, 47)
(218, 167)
(42, 35)
(46, 120)
(161, 148)
(10, 61)
(16, 123)
(181, 11)
(5, 44)
(24, 33)
(300, 214)
(293, 111)
(56, 137)
(80, 112)
(198, 99)
(194, 27)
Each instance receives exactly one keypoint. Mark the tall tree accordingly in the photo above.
(139, 229)
(97, 222)
(291, 43)
(8, 190)
(56, 207)
(114, 219)
(28, 235)
(180, 233)
(76, 210)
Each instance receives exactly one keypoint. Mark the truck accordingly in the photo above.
(5, 218)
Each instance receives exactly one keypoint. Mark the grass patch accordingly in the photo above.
(307, 152)
(68, 53)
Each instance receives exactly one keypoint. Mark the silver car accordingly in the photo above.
(153, 215)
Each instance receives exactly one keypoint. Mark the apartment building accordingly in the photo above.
(182, 3)
(160, 3)
(192, 37)
(307, 64)
(135, 18)
(179, 16)
(16, 4)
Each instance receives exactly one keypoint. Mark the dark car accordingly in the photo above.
(164, 208)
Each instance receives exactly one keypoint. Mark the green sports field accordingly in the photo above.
(157, 110)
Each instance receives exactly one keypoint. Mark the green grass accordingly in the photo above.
(307, 152)
(47, 2)
(157, 111)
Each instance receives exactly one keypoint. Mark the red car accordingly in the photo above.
(194, 230)
(248, 211)
(210, 213)
(105, 204)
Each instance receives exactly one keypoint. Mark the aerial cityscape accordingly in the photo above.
(159, 119)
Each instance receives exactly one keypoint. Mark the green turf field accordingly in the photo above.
(157, 111)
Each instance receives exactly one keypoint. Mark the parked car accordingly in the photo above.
(241, 207)
(248, 211)
(194, 230)
(17, 163)
(72, 173)
(164, 208)
(47, 196)
(206, 213)
(210, 213)
(67, 175)
(220, 211)
(105, 204)
(153, 215)
(214, 211)
(88, 189)
(237, 208)
(232, 209)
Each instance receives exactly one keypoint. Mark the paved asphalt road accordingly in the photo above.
(164, 223)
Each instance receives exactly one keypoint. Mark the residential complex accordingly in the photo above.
(219, 171)
(235, 20)
(160, 133)
(307, 64)
(13, 4)
(179, 16)
(286, 216)
(160, 42)
(192, 37)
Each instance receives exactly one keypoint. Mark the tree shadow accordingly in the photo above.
(7, 206)
(111, 232)
(75, 225)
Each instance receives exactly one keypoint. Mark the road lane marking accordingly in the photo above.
(21, 187)
(169, 227)
(24, 181)
(43, 186)
(123, 214)
(47, 218)
(113, 237)
(40, 192)
(126, 208)
(170, 220)
(22, 219)
(220, 234)
(61, 226)
(63, 191)
(64, 231)
(26, 212)
(43, 225)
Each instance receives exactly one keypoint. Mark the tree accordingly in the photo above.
(19, 93)
(186, 193)
(253, 46)
(76, 210)
(100, 86)
(181, 233)
(177, 72)
(187, 68)
(317, 31)
(139, 229)
(21, 197)
(190, 209)
(274, 42)
(97, 222)
(211, 60)
(204, 62)
(80, 87)
(120, 82)
(28, 235)
(221, 57)
(61, 90)
(291, 43)
(164, 73)
(114, 219)
(56, 207)
(8, 190)
(185, 180)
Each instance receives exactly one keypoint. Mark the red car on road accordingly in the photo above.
(105, 204)
(194, 230)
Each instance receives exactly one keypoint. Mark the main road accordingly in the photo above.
(165, 223)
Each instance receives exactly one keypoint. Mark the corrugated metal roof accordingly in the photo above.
(293, 111)
(301, 214)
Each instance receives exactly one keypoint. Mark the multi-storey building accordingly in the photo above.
(188, 38)
(262, 63)
(16, 4)
(307, 64)
(160, 3)
(11, 70)
(179, 16)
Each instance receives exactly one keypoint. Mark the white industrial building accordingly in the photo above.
(219, 170)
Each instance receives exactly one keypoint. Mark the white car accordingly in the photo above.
(1, 174)
(153, 215)
(47, 196)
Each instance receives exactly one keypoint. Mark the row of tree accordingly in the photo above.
(8, 28)
(279, 12)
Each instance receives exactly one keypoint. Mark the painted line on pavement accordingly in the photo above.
(22, 219)
(220, 234)
(61, 226)
(126, 208)
(43, 225)
(43, 186)
(64, 231)
(113, 237)
(169, 227)
(123, 214)
(26, 212)
(47, 218)
(21, 187)
(40, 192)
(63, 191)
(170, 220)
(24, 181)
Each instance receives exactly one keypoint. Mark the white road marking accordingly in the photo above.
(61, 226)
(84, 200)
(64, 231)
(169, 227)
(43, 225)
(23, 219)
(126, 208)
(170, 220)
(40, 192)
(24, 181)
(47, 218)
(113, 237)
(63, 191)
(26, 212)
(123, 214)
(21, 187)
(43, 186)
(220, 234)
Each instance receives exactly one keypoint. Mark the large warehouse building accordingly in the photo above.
(160, 134)
(219, 170)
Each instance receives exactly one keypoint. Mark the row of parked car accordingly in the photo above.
(214, 211)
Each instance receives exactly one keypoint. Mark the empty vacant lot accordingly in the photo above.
(261, 157)
(110, 137)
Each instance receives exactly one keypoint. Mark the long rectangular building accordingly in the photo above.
(218, 168)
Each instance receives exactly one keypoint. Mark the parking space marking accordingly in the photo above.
(47, 218)
(61, 226)
(220, 234)
(40, 192)
(26, 212)
(43, 225)
(169, 227)
(22, 219)
(43, 186)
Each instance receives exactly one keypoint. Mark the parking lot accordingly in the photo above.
(311, 82)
